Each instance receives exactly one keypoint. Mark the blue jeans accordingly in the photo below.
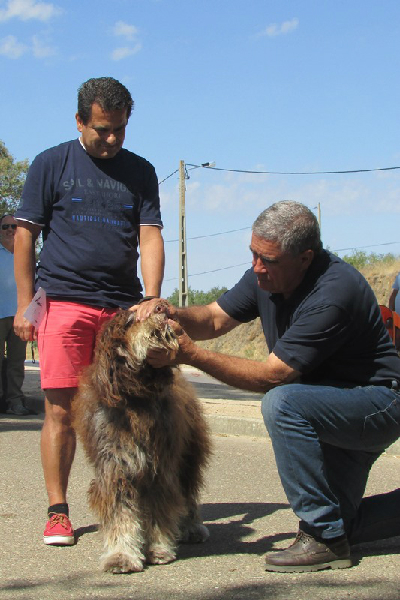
(326, 439)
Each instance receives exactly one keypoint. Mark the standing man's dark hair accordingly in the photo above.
(107, 92)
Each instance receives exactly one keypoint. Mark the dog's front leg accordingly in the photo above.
(121, 523)
(161, 546)
(123, 543)
(164, 507)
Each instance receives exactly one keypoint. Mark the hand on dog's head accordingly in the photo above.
(120, 368)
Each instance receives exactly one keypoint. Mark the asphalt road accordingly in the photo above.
(243, 505)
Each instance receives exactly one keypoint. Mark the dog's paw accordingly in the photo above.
(194, 534)
(160, 556)
(122, 563)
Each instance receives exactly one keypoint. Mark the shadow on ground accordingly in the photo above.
(82, 586)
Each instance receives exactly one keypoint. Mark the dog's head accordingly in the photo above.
(120, 369)
(154, 332)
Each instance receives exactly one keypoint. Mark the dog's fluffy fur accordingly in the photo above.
(144, 432)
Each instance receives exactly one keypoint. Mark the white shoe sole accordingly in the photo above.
(59, 540)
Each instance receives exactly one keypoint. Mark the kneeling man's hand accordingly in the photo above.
(160, 357)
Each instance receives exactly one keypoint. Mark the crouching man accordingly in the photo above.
(331, 382)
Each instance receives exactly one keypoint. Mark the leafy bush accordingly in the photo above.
(360, 259)
(197, 296)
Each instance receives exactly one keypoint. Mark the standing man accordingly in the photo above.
(16, 348)
(94, 202)
(331, 382)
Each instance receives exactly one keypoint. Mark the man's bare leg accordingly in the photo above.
(58, 443)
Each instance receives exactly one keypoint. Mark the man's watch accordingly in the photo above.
(146, 298)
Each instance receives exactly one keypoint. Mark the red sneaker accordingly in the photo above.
(59, 531)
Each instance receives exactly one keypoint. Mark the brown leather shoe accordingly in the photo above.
(308, 554)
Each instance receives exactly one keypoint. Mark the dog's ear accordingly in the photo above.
(130, 318)
(127, 322)
(110, 355)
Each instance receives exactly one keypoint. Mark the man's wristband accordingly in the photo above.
(146, 298)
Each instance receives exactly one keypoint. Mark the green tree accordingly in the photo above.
(198, 297)
(12, 178)
(361, 259)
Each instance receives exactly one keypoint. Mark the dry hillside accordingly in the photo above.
(248, 341)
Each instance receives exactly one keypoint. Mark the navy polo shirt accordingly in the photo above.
(90, 210)
(329, 329)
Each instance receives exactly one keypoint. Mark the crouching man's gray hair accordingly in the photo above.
(291, 225)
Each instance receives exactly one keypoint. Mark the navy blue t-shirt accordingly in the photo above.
(329, 329)
(90, 210)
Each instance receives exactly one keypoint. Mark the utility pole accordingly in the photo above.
(183, 274)
(318, 209)
(319, 217)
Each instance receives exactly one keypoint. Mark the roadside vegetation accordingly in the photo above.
(366, 262)
(197, 297)
(378, 269)
(12, 179)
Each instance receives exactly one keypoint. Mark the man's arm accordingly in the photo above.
(200, 322)
(238, 372)
(204, 322)
(24, 271)
(151, 259)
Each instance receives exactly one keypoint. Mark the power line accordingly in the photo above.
(344, 172)
(369, 246)
(211, 166)
(297, 172)
(248, 262)
(199, 237)
(167, 177)
(213, 271)
(204, 165)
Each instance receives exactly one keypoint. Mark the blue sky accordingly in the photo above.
(288, 86)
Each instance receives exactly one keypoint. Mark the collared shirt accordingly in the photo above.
(8, 294)
(90, 210)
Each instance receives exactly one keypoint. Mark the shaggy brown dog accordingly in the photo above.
(144, 432)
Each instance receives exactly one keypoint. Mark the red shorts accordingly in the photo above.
(66, 340)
